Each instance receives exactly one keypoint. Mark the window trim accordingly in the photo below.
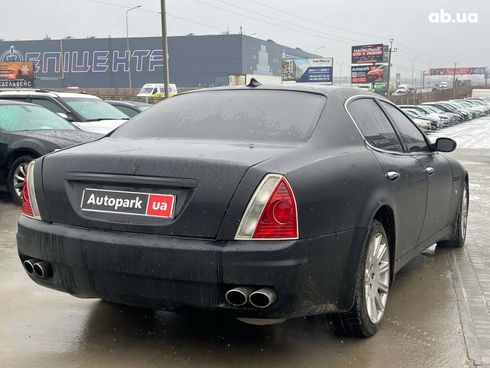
(429, 145)
(359, 97)
(402, 143)
(52, 100)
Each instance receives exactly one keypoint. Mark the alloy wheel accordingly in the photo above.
(377, 277)
(464, 213)
(19, 178)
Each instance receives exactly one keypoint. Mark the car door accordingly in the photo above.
(4, 144)
(436, 168)
(404, 175)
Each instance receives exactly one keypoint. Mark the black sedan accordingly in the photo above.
(264, 203)
(130, 108)
(27, 132)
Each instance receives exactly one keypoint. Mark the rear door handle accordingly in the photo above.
(429, 170)
(392, 175)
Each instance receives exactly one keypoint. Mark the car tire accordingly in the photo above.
(459, 234)
(16, 177)
(364, 319)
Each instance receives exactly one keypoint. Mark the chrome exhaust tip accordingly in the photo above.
(238, 296)
(263, 298)
(42, 269)
(29, 265)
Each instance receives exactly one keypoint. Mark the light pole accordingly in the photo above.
(128, 51)
(454, 80)
(163, 13)
(391, 50)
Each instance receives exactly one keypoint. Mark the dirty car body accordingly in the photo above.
(208, 153)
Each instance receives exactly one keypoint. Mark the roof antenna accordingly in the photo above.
(254, 83)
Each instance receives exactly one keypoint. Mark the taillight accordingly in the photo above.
(271, 213)
(29, 202)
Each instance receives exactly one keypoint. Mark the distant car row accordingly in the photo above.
(36, 122)
(436, 115)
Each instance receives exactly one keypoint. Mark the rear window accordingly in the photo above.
(245, 115)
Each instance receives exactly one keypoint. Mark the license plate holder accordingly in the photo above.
(128, 203)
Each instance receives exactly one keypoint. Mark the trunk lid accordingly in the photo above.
(200, 176)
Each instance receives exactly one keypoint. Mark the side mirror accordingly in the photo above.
(445, 145)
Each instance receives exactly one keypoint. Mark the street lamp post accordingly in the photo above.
(390, 51)
(128, 51)
(163, 14)
(454, 80)
(319, 48)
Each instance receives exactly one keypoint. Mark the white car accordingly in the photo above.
(86, 111)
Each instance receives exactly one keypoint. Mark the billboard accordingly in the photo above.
(369, 73)
(16, 74)
(308, 70)
(195, 61)
(459, 71)
(368, 54)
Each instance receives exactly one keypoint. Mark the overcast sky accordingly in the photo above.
(329, 27)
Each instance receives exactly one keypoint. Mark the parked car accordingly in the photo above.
(471, 113)
(480, 102)
(424, 125)
(261, 202)
(88, 112)
(130, 108)
(438, 120)
(434, 123)
(476, 111)
(152, 90)
(444, 106)
(28, 131)
(453, 117)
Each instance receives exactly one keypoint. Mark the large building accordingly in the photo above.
(195, 61)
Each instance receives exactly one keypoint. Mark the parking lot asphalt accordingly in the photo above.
(437, 314)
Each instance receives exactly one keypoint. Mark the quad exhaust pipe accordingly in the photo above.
(238, 296)
(261, 298)
(29, 266)
(40, 269)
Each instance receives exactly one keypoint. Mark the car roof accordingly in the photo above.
(297, 87)
(14, 102)
(43, 92)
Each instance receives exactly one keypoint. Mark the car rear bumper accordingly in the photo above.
(312, 276)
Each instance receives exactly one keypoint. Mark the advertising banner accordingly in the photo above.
(368, 54)
(369, 73)
(459, 71)
(308, 70)
(16, 74)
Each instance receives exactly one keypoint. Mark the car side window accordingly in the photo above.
(127, 110)
(411, 136)
(374, 125)
(50, 105)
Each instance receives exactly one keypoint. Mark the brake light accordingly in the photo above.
(29, 202)
(271, 213)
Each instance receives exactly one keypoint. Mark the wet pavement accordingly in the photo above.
(437, 313)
